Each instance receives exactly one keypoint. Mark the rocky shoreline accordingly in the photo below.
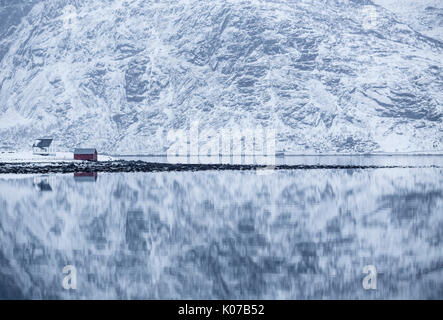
(142, 166)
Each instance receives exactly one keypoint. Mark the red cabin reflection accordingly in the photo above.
(85, 176)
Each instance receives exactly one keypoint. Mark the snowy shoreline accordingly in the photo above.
(29, 157)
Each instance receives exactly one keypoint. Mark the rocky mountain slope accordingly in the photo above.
(328, 76)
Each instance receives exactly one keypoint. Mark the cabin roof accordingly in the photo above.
(85, 150)
(42, 143)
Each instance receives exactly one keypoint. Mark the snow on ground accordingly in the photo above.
(8, 156)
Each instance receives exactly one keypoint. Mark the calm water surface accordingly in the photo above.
(299, 234)
(342, 160)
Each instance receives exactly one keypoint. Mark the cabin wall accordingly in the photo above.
(91, 157)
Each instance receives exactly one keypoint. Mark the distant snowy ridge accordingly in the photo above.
(120, 75)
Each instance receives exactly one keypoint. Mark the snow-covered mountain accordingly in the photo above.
(328, 76)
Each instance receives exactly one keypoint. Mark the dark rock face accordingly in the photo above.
(120, 76)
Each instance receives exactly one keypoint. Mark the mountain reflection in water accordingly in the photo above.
(299, 234)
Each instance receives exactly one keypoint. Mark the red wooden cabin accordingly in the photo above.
(85, 154)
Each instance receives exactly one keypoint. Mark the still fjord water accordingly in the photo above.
(298, 234)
